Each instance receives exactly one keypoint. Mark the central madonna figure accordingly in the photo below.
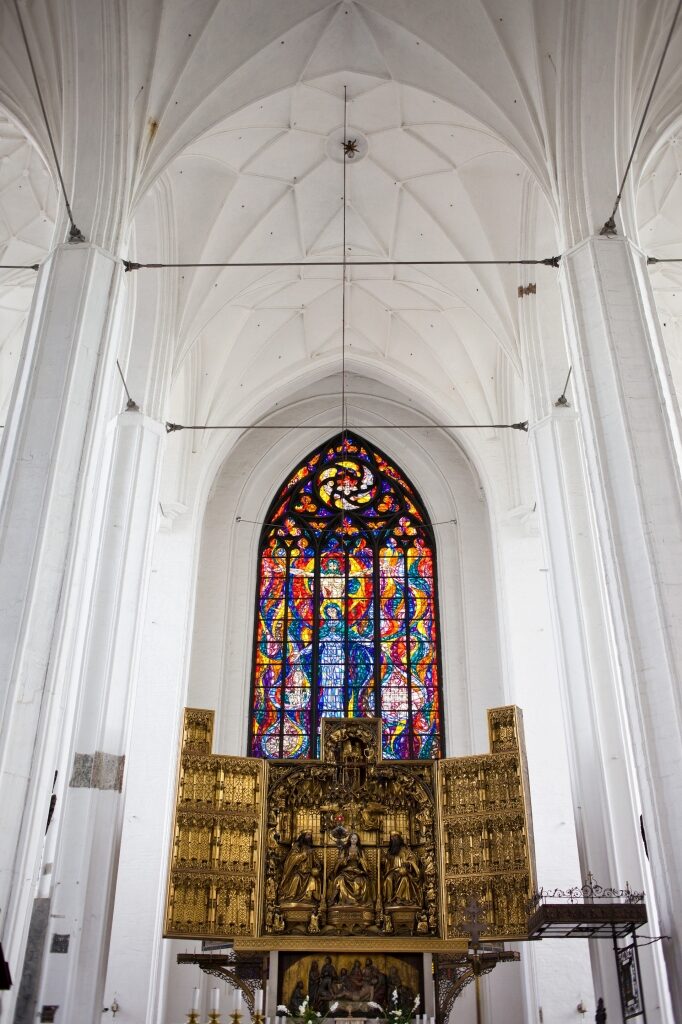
(352, 882)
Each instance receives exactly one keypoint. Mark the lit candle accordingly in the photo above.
(195, 1000)
(215, 1000)
(259, 1000)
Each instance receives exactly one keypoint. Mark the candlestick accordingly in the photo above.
(193, 1015)
(236, 1014)
(259, 1000)
(215, 1000)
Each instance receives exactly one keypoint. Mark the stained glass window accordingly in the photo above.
(346, 620)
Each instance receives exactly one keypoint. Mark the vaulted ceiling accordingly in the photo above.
(427, 183)
(236, 120)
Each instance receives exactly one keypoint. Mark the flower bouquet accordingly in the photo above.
(397, 1013)
(305, 1012)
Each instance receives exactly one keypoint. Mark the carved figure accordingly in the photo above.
(344, 986)
(361, 990)
(351, 883)
(297, 997)
(328, 978)
(278, 924)
(302, 873)
(376, 979)
(314, 984)
(401, 872)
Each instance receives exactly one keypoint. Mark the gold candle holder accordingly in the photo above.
(214, 1017)
(258, 1018)
(193, 1017)
(235, 1017)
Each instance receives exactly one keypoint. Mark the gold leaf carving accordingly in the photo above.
(350, 849)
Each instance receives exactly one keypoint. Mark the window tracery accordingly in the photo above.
(346, 617)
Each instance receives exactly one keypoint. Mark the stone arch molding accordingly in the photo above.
(220, 663)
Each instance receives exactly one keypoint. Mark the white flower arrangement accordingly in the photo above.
(306, 1012)
(396, 1014)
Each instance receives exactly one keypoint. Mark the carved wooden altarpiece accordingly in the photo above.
(351, 852)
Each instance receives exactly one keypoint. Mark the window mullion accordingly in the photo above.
(377, 598)
(408, 653)
(314, 663)
(285, 645)
(346, 646)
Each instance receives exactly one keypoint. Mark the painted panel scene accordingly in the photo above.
(361, 986)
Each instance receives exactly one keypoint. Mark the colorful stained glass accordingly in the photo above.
(346, 613)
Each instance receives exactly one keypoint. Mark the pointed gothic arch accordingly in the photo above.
(346, 620)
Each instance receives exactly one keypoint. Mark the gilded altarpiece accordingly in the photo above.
(213, 886)
(487, 839)
(351, 851)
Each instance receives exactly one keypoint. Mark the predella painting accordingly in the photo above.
(352, 981)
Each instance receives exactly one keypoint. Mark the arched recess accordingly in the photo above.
(222, 641)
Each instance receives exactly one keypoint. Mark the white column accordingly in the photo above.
(135, 972)
(606, 803)
(604, 806)
(631, 432)
(552, 970)
(85, 866)
(49, 458)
